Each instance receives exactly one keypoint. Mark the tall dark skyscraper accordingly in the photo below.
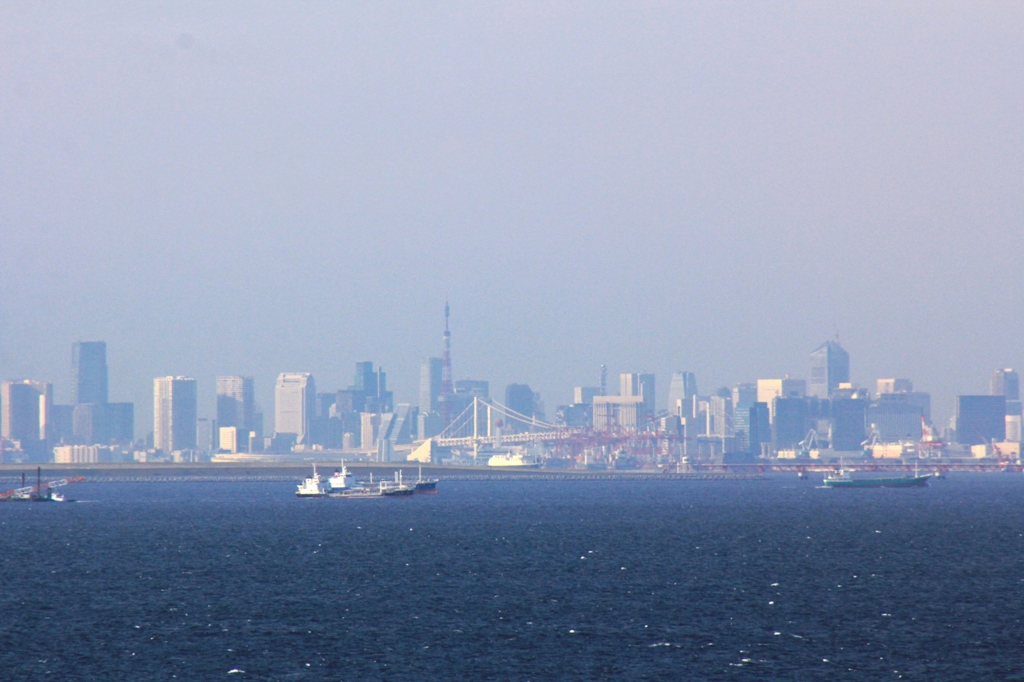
(236, 403)
(89, 372)
(980, 419)
(849, 418)
(830, 366)
(430, 384)
(791, 422)
(372, 384)
(174, 413)
(519, 398)
(365, 378)
(1006, 382)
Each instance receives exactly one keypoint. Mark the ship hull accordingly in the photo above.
(904, 482)
(426, 488)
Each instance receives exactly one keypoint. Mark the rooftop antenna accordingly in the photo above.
(604, 380)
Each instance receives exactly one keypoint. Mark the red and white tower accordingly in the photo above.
(447, 397)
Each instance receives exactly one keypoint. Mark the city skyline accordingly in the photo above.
(408, 384)
(671, 338)
(894, 411)
(596, 203)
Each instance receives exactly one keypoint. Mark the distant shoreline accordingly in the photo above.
(287, 471)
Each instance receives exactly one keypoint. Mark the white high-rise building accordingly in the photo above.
(770, 389)
(720, 417)
(228, 437)
(616, 411)
(1014, 431)
(639, 386)
(294, 404)
(174, 413)
(26, 414)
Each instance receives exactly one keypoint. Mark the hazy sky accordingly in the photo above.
(220, 188)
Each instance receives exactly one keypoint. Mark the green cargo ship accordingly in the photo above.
(842, 479)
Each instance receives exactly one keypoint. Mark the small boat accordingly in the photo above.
(311, 486)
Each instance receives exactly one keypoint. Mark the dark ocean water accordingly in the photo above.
(728, 580)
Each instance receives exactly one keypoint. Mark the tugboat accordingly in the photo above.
(311, 487)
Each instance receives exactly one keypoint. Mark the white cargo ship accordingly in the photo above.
(511, 459)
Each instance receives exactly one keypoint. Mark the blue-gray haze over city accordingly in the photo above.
(251, 188)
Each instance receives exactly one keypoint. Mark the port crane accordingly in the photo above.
(809, 442)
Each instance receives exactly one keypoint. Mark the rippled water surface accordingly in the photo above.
(724, 580)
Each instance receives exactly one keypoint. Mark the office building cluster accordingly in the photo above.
(784, 417)
(31, 425)
(796, 418)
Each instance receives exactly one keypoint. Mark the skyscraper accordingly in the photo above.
(236, 403)
(430, 384)
(897, 416)
(760, 428)
(90, 424)
(294, 404)
(770, 389)
(980, 419)
(519, 398)
(121, 422)
(584, 395)
(830, 366)
(174, 413)
(849, 417)
(789, 423)
(744, 396)
(89, 372)
(365, 378)
(720, 417)
(95, 421)
(27, 414)
(639, 386)
(682, 388)
(373, 385)
(1006, 382)
(894, 386)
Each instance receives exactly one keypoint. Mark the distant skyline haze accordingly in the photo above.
(251, 189)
